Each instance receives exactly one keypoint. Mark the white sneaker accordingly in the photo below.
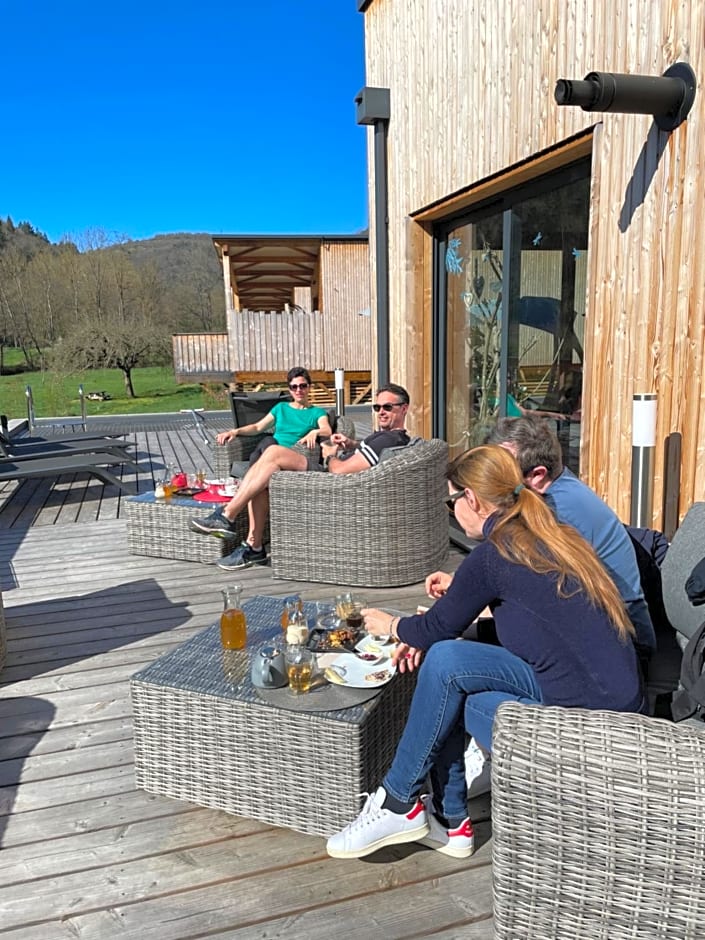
(478, 770)
(376, 827)
(459, 843)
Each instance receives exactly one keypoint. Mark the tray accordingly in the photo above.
(318, 642)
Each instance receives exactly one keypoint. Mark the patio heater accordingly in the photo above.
(643, 447)
(339, 392)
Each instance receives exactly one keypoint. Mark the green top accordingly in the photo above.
(291, 424)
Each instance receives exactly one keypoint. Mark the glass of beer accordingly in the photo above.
(233, 623)
(300, 666)
(343, 605)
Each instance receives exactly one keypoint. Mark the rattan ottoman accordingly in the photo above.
(160, 528)
(202, 739)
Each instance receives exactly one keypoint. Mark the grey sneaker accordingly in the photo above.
(376, 827)
(244, 556)
(214, 524)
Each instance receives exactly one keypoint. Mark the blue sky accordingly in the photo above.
(143, 118)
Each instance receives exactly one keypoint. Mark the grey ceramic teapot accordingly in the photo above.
(269, 668)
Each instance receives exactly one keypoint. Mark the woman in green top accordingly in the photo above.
(295, 423)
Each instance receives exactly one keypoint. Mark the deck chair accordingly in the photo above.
(73, 437)
(94, 463)
(16, 451)
(20, 451)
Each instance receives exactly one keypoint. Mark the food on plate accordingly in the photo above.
(369, 657)
(341, 637)
(332, 676)
(380, 676)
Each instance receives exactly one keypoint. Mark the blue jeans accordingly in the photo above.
(457, 678)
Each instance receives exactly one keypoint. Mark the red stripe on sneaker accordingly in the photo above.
(419, 808)
(463, 830)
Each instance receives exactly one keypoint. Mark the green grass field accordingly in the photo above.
(57, 396)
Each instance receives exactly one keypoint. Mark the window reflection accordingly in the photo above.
(540, 289)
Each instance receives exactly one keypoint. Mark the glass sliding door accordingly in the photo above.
(510, 309)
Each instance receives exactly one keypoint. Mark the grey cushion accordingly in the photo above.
(687, 549)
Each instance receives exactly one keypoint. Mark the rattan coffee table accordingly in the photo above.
(160, 528)
(203, 734)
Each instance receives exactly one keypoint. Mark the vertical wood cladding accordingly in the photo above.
(472, 96)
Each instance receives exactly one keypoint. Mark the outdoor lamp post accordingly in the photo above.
(339, 392)
(643, 446)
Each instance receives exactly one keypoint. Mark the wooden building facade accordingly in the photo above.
(541, 253)
(290, 300)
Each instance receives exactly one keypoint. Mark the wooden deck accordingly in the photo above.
(87, 855)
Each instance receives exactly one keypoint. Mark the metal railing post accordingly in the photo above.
(82, 399)
(30, 407)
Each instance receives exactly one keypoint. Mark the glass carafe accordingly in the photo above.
(233, 624)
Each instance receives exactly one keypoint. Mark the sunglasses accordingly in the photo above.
(451, 500)
(387, 406)
(294, 388)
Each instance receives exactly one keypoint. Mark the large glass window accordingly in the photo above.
(510, 309)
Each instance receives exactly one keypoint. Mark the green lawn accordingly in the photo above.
(57, 396)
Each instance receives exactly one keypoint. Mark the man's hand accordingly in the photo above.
(437, 584)
(310, 439)
(340, 440)
(378, 622)
(226, 436)
(329, 450)
(407, 657)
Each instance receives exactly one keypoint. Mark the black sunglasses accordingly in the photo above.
(300, 385)
(451, 500)
(387, 406)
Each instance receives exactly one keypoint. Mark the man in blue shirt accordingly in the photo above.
(538, 452)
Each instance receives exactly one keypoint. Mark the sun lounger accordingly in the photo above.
(20, 451)
(95, 464)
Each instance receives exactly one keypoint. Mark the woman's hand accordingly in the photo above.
(377, 622)
(437, 584)
(310, 439)
(226, 436)
(407, 658)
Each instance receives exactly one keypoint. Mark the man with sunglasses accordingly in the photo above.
(345, 455)
(538, 452)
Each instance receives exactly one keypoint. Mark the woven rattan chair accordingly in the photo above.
(385, 526)
(598, 823)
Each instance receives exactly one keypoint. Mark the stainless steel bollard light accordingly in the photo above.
(340, 392)
(643, 448)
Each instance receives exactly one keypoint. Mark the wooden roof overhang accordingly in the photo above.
(265, 269)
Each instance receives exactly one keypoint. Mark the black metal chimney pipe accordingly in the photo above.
(668, 97)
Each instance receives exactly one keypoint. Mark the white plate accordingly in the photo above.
(355, 671)
(373, 644)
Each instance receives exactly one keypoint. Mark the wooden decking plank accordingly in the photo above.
(246, 882)
(87, 855)
(136, 841)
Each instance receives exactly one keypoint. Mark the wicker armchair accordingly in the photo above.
(598, 825)
(383, 527)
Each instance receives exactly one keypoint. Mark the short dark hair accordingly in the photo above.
(395, 390)
(536, 444)
(296, 372)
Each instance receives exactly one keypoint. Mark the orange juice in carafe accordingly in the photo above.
(233, 623)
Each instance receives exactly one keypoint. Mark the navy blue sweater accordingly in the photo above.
(576, 654)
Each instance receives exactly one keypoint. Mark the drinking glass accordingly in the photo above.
(300, 666)
(326, 618)
(343, 605)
